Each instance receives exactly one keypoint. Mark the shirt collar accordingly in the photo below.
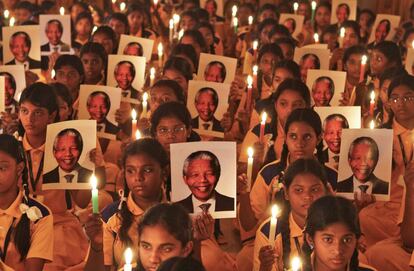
(133, 207)
(28, 147)
(295, 230)
(197, 203)
(13, 209)
(63, 173)
(398, 128)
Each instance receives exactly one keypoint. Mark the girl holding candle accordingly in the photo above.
(304, 182)
(31, 243)
(331, 233)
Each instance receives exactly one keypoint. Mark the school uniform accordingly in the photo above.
(41, 234)
(267, 183)
(67, 252)
(262, 239)
(244, 258)
(378, 220)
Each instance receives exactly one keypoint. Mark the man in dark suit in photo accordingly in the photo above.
(363, 158)
(20, 45)
(98, 105)
(54, 31)
(332, 131)
(206, 102)
(124, 74)
(67, 149)
(201, 173)
(10, 103)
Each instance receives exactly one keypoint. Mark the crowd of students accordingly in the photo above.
(56, 230)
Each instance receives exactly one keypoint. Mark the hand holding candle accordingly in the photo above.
(273, 224)
(250, 153)
(134, 122)
(362, 71)
(128, 259)
(94, 184)
(262, 126)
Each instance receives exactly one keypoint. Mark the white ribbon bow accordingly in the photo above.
(33, 213)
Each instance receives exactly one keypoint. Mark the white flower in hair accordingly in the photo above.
(33, 213)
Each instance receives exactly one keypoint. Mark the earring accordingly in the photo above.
(311, 246)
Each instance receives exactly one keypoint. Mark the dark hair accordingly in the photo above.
(211, 29)
(136, 7)
(326, 211)
(280, 30)
(187, 50)
(22, 236)
(172, 217)
(268, 6)
(10, 76)
(403, 80)
(84, 15)
(202, 15)
(348, 10)
(120, 17)
(356, 49)
(291, 66)
(286, 40)
(70, 60)
(391, 73)
(26, 38)
(390, 51)
(174, 86)
(62, 92)
(95, 48)
(370, 13)
(191, 14)
(294, 85)
(197, 37)
(83, 5)
(107, 31)
(181, 263)
(71, 132)
(315, 58)
(203, 155)
(355, 27)
(153, 149)
(266, 22)
(25, 5)
(55, 21)
(180, 65)
(41, 95)
(387, 24)
(270, 48)
(170, 109)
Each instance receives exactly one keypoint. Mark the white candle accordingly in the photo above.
(144, 105)
(371, 124)
(316, 37)
(94, 184)
(341, 37)
(235, 24)
(62, 11)
(180, 34)
(273, 224)
(134, 122)
(160, 54)
(262, 126)
(152, 76)
(128, 259)
(372, 103)
(313, 4)
(296, 264)
(295, 7)
(255, 45)
(250, 20)
(249, 92)
(12, 21)
(364, 60)
(6, 14)
(122, 6)
(171, 27)
(250, 153)
(234, 11)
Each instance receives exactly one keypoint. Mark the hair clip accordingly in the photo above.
(33, 213)
(122, 198)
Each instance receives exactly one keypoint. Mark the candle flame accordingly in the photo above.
(53, 73)
(255, 44)
(94, 29)
(371, 124)
(62, 11)
(295, 6)
(180, 34)
(250, 20)
(6, 14)
(316, 37)
(249, 81)
(134, 114)
(176, 18)
(250, 152)
(12, 21)
(314, 4)
(152, 73)
(296, 264)
(145, 97)
(93, 181)
(234, 11)
(255, 69)
(235, 21)
(122, 6)
(342, 32)
(160, 49)
(412, 44)
(128, 255)
(155, 2)
(364, 60)
(264, 117)
(372, 95)
(138, 135)
(275, 211)
(171, 23)
(113, 1)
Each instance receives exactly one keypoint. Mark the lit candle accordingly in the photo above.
(113, 1)
(250, 20)
(94, 184)
(372, 104)
(250, 153)
(313, 12)
(341, 37)
(53, 74)
(176, 19)
(155, 4)
(273, 223)
(144, 105)
(412, 44)
(371, 124)
(152, 76)
(180, 34)
(122, 6)
(62, 11)
(316, 37)
(296, 264)
(6, 14)
(255, 71)
(255, 46)
(138, 135)
(12, 21)
(128, 259)
(235, 24)
(234, 11)
(262, 126)
(160, 53)
(362, 71)
(249, 92)
(171, 26)
(134, 122)
(295, 7)
(94, 29)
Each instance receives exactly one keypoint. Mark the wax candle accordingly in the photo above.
(313, 12)
(122, 6)
(134, 122)
(155, 4)
(262, 126)
(249, 92)
(255, 71)
(250, 153)
(171, 27)
(234, 11)
(273, 224)
(316, 37)
(235, 24)
(94, 184)
(6, 14)
(176, 19)
(62, 11)
(341, 37)
(372, 104)
(295, 7)
(180, 34)
(152, 76)
(255, 46)
(12, 21)
(372, 124)
(362, 69)
(250, 19)
(296, 264)
(137, 135)
(160, 54)
(144, 105)
(128, 259)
